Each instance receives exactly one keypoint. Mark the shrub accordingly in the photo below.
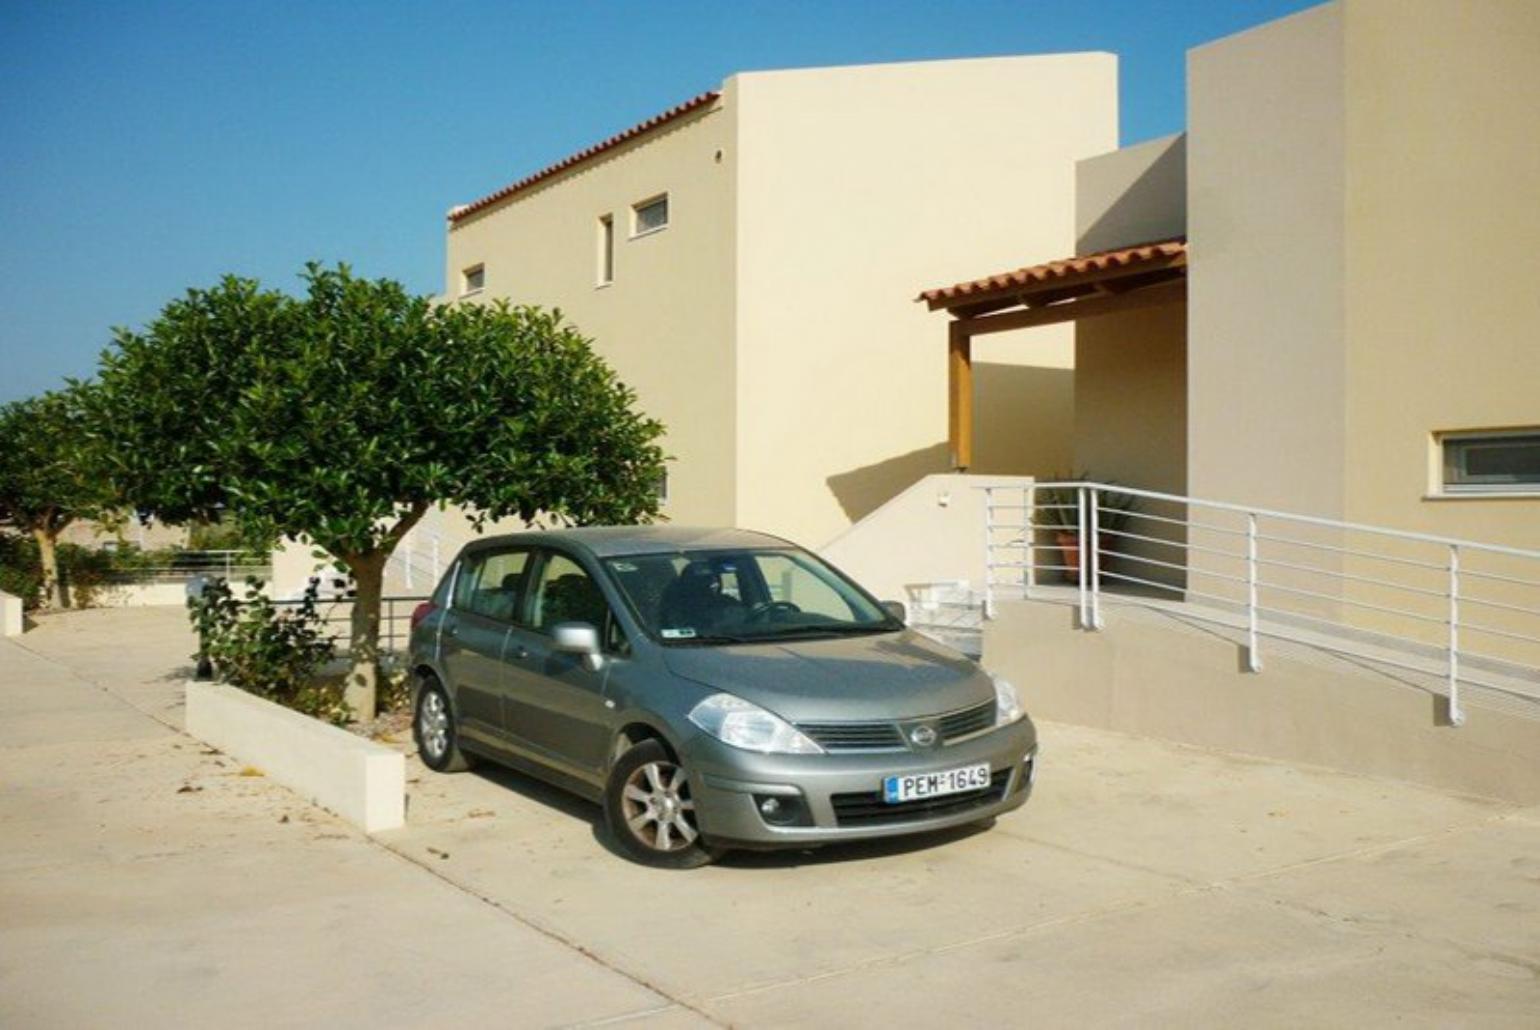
(215, 536)
(1058, 506)
(84, 571)
(274, 653)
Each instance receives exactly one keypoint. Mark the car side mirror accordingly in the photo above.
(579, 638)
(896, 609)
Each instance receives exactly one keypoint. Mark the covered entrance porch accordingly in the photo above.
(1129, 310)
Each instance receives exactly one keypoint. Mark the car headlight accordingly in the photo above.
(1007, 705)
(732, 720)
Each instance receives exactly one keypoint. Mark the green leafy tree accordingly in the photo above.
(51, 473)
(343, 415)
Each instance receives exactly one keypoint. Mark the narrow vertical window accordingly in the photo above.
(606, 250)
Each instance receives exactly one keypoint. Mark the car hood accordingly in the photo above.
(900, 675)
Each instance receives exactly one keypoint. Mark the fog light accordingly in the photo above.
(783, 810)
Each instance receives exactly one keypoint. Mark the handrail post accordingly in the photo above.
(1253, 655)
(989, 552)
(1456, 713)
(1029, 537)
(1094, 538)
(1080, 556)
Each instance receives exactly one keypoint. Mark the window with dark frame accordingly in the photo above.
(650, 215)
(1491, 462)
(473, 278)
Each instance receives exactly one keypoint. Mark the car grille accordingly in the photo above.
(889, 736)
(870, 810)
(967, 722)
(854, 736)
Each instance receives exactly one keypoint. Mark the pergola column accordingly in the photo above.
(959, 366)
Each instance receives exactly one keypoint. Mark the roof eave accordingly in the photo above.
(699, 102)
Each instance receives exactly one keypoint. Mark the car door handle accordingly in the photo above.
(520, 653)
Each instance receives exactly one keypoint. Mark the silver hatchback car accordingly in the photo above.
(713, 689)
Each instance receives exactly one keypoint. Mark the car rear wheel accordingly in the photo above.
(433, 727)
(651, 812)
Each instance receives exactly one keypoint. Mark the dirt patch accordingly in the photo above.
(387, 727)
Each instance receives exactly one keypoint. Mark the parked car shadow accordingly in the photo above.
(538, 790)
(855, 851)
(575, 807)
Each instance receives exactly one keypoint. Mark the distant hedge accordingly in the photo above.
(85, 571)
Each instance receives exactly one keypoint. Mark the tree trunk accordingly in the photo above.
(52, 588)
(363, 679)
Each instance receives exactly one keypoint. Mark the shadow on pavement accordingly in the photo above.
(575, 807)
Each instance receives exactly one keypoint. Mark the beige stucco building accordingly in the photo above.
(744, 261)
(1355, 200)
(1319, 299)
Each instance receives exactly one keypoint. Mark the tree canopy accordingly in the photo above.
(342, 415)
(51, 472)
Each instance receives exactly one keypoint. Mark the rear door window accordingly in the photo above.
(491, 583)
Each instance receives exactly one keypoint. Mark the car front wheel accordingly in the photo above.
(651, 812)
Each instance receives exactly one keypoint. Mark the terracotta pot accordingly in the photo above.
(1069, 555)
(1068, 542)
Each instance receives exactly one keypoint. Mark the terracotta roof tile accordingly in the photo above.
(694, 103)
(1064, 271)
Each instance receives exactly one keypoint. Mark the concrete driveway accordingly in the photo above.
(141, 877)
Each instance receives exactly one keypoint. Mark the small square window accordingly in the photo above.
(650, 215)
(473, 279)
(662, 487)
(1492, 462)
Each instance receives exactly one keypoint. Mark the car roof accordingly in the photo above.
(613, 541)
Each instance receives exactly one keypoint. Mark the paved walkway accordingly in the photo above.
(141, 877)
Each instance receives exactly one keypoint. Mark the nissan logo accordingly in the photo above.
(923, 736)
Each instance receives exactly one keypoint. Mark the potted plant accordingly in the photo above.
(1058, 513)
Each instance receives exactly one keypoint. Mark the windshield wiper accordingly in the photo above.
(712, 638)
(834, 629)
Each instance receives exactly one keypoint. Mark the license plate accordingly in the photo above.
(917, 786)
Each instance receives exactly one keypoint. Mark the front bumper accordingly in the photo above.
(726, 780)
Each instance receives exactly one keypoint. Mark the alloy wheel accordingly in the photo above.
(658, 808)
(433, 724)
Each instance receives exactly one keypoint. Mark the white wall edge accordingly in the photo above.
(359, 780)
(12, 619)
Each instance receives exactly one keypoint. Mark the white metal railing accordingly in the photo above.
(176, 566)
(418, 559)
(1465, 612)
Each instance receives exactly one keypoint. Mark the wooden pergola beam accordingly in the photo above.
(1070, 310)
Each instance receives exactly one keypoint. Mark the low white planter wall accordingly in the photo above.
(10, 616)
(140, 595)
(360, 780)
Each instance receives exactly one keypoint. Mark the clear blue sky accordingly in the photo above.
(148, 147)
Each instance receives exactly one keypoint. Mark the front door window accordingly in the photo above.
(566, 593)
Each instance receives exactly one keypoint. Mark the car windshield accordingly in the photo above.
(742, 596)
